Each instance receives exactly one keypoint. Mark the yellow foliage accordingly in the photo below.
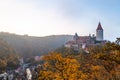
(99, 73)
(3, 64)
(61, 68)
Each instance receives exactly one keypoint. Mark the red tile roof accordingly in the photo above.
(83, 39)
(99, 27)
(70, 42)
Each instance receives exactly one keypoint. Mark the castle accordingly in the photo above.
(82, 42)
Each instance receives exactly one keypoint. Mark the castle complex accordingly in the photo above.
(82, 42)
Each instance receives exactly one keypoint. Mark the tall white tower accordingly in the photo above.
(99, 33)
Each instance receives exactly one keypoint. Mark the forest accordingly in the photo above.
(9, 59)
(101, 63)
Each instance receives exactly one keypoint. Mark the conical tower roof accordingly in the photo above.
(99, 27)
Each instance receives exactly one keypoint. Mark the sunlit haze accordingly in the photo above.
(56, 17)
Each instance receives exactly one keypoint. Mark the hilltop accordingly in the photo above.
(24, 44)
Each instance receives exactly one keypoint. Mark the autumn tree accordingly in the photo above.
(111, 46)
(101, 63)
(65, 51)
(8, 57)
(61, 68)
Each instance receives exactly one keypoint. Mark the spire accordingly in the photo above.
(99, 27)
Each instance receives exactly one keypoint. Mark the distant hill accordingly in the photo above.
(29, 45)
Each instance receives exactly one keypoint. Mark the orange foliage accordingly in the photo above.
(61, 68)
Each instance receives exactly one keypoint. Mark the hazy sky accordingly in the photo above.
(53, 17)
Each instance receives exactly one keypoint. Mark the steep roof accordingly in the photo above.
(83, 39)
(99, 27)
(70, 42)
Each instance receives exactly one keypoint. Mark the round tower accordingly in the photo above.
(99, 33)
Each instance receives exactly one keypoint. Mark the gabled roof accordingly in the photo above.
(99, 27)
(70, 42)
(83, 39)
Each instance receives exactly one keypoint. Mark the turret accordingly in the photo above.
(76, 37)
(99, 33)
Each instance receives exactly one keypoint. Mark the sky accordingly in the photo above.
(58, 17)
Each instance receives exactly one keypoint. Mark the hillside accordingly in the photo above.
(8, 57)
(25, 45)
(102, 63)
